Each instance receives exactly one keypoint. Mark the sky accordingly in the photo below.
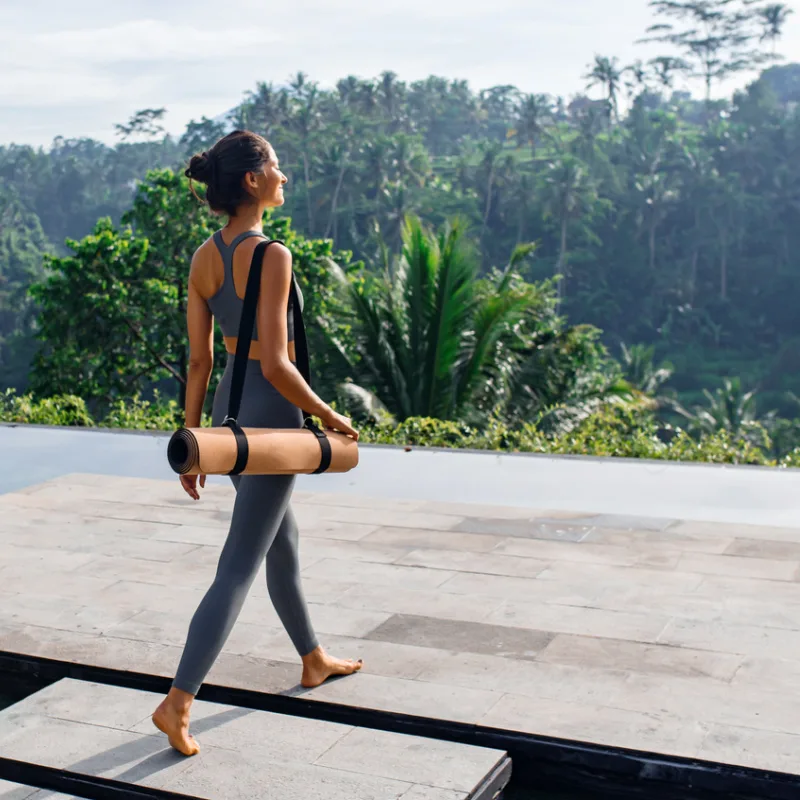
(75, 69)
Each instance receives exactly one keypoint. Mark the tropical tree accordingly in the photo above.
(428, 338)
(567, 193)
(112, 313)
(718, 38)
(773, 18)
(533, 112)
(640, 371)
(606, 73)
(23, 246)
(732, 409)
(146, 122)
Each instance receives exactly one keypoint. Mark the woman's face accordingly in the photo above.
(271, 182)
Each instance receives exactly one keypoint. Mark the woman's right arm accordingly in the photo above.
(273, 337)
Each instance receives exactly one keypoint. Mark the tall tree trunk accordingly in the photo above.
(652, 244)
(723, 265)
(693, 275)
(562, 259)
(308, 191)
(335, 200)
(488, 207)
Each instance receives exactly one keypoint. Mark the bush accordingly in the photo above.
(64, 409)
(614, 431)
(138, 414)
(791, 459)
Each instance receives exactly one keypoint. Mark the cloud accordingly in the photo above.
(137, 41)
(92, 63)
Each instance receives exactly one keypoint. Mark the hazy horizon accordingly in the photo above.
(76, 71)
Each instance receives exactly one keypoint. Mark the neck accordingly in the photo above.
(248, 219)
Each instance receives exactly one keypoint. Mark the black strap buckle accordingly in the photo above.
(324, 444)
(242, 446)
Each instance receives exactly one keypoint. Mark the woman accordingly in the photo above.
(243, 179)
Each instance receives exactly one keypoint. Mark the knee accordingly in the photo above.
(282, 561)
(233, 576)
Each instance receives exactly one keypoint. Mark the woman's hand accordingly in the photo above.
(189, 483)
(336, 422)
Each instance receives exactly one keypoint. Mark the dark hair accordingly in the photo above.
(223, 167)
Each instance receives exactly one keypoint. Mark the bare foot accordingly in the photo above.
(173, 719)
(318, 666)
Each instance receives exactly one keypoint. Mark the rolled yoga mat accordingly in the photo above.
(273, 451)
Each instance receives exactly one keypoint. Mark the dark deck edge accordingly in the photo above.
(541, 761)
(494, 783)
(77, 784)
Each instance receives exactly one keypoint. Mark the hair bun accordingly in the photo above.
(201, 168)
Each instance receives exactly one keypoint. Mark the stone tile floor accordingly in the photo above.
(670, 636)
(105, 731)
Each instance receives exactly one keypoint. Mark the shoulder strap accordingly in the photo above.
(246, 323)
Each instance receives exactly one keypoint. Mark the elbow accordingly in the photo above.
(201, 365)
(271, 368)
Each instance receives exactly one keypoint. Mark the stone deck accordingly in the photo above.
(672, 636)
(105, 731)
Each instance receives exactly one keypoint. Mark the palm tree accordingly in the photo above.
(638, 366)
(266, 108)
(391, 92)
(727, 205)
(565, 376)
(304, 121)
(348, 90)
(729, 409)
(490, 151)
(567, 191)
(666, 68)
(428, 338)
(773, 18)
(606, 73)
(532, 112)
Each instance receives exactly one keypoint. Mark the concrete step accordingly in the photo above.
(106, 731)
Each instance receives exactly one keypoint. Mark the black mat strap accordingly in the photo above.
(246, 325)
(304, 367)
(325, 446)
(242, 446)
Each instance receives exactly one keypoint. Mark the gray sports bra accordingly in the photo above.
(226, 305)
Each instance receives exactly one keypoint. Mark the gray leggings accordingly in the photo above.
(262, 528)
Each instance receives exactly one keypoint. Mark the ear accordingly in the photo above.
(250, 182)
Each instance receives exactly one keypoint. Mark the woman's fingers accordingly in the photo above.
(189, 482)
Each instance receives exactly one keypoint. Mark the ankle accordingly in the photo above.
(315, 656)
(179, 700)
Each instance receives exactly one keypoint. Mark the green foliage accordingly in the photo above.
(67, 409)
(429, 338)
(22, 248)
(730, 410)
(639, 368)
(112, 316)
(92, 324)
(668, 221)
(137, 414)
(719, 38)
(612, 432)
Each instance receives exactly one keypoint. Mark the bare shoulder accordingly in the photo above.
(278, 252)
(201, 268)
(277, 263)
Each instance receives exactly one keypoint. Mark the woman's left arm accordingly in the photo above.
(200, 325)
